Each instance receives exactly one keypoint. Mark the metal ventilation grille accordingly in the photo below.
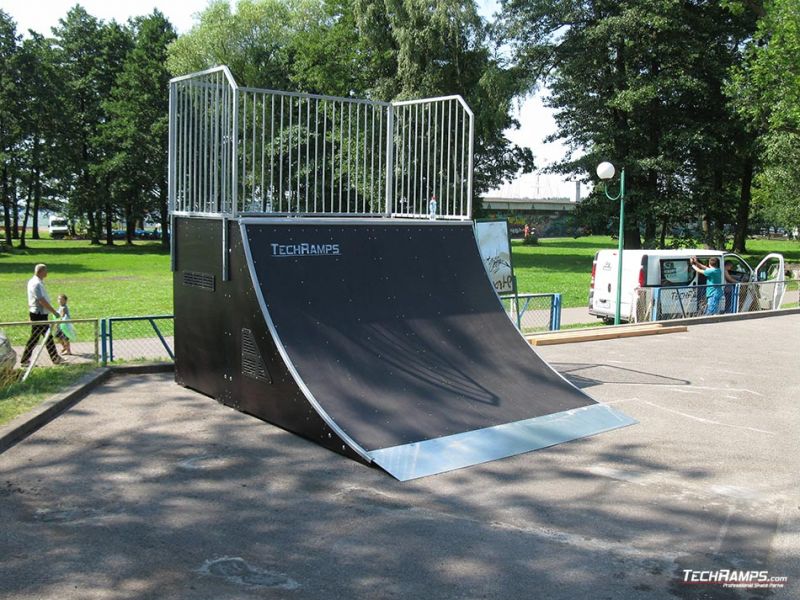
(252, 363)
(203, 281)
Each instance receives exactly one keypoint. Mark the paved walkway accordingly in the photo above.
(149, 490)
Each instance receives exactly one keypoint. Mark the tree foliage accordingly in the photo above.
(640, 83)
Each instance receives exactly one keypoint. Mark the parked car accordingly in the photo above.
(58, 227)
(670, 269)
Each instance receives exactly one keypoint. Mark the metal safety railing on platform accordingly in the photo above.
(534, 312)
(679, 302)
(242, 151)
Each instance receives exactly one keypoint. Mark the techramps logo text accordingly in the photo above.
(305, 249)
(727, 578)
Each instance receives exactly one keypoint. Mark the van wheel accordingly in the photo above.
(608, 320)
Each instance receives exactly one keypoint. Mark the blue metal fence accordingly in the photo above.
(534, 312)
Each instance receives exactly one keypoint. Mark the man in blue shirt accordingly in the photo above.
(713, 276)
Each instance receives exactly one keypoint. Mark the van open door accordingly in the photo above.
(770, 275)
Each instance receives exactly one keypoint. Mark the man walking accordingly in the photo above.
(39, 308)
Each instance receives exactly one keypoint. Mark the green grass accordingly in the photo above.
(100, 281)
(562, 265)
(20, 397)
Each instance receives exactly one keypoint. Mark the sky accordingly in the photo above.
(535, 119)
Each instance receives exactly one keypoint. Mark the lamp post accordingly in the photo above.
(605, 171)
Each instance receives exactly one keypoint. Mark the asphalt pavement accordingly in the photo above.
(149, 490)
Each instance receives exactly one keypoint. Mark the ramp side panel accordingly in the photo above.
(398, 330)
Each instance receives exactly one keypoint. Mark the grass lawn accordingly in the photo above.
(100, 281)
(135, 280)
(43, 383)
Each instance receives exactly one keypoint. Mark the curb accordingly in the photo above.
(764, 314)
(25, 424)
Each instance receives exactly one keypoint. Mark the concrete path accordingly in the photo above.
(149, 490)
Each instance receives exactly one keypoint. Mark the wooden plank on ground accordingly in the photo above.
(604, 333)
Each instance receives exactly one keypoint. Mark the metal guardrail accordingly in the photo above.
(137, 338)
(235, 150)
(678, 302)
(534, 312)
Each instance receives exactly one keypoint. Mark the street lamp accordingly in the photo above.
(605, 171)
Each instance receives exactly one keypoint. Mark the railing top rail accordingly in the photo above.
(144, 318)
(49, 322)
(435, 99)
(253, 90)
(221, 68)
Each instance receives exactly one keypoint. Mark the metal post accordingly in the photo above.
(621, 243)
(96, 341)
(555, 313)
(104, 341)
(389, 160)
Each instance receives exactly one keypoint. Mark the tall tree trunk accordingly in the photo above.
(37, 186)
(92, 227)
(14, 208)
(109, 226)
(6, 207)
(662, 242)
(743, 210)
(28, 202)
(130, 224)
(164, 212)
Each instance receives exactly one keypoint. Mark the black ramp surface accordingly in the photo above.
(396, 331)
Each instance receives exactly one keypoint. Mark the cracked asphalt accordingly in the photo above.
(146, 489)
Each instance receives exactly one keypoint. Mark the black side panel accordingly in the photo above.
(397, 332)
(222, 345)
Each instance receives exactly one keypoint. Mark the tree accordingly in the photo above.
(138, 126)
(766, 92)
(9, 123)
(639, 82)
(385, 50)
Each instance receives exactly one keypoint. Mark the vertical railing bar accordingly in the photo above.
(235, 175)
(428, 153)
(461, 179)
(449, 146)
(272, 151)
(263, 150)
(280, 161)
(308, 145)
(470, 164)
(389, 182)
(289, 155)
(324, 147)
(441, 159)
(358, 133)
(251, 204)
(372, 150)
(316, 151)
(436, 191)
(416, 157)
(364, 169)
(243, 175)
(349, 150)
(341, 154)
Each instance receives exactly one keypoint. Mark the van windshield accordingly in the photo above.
(676, 272)
(58, 222)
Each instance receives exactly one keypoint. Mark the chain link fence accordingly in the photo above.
(533, 313)
(129, 339)
(680, 302)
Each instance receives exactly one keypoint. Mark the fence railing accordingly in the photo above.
(137, 338)
(678, 302)
(534, 312)
(237, 150)
(98, 341)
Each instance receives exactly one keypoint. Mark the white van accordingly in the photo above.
(671, 268)
(58, 227)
